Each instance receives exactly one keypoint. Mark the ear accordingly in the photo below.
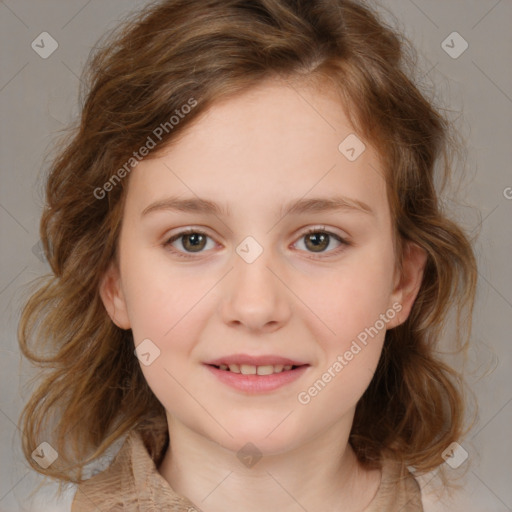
(113, 298)
(408, 283)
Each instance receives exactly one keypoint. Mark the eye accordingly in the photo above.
(193, 241)
(318, 239)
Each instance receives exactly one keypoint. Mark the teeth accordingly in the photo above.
(249, 369)
(265, 370)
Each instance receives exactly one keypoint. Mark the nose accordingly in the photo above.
(255, 295)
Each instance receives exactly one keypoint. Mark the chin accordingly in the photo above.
(270, 435)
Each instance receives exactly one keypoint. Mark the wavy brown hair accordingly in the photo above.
(91, 390)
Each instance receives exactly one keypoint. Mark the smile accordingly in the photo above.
(248, 369)
(256, 379)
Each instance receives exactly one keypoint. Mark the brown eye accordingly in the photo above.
(317, 240)
(192, 241)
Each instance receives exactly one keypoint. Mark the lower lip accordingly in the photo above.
(257, 383)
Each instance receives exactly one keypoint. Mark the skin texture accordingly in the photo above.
(256, 152)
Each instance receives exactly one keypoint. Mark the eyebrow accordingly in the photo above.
(296, 207)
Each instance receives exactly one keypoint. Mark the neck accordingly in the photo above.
(322, 474)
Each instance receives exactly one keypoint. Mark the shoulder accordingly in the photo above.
(398, 490)
(103, 490)
(131, 483)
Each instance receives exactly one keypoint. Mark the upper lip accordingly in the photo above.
(265, 360)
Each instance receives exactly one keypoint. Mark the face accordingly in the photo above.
(247, 275)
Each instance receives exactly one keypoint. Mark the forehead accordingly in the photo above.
(262, 148)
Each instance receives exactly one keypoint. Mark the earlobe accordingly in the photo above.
(408, 284)
(113, 298)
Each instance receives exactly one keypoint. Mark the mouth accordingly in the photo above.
(248, 369)
(255, 375)
(255, 365)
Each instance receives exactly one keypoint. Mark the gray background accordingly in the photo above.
(38, 97)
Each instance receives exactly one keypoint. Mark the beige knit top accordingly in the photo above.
(133, 483)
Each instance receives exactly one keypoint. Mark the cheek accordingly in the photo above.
(166, 305)
(354, 315)
(350, 324)
(160, 297)
(337, 387)
(349, 299)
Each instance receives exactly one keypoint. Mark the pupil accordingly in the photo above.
(195, 239)
(320, 240)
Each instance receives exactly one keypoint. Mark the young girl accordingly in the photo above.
(251, 269)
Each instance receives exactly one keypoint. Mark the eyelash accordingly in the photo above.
(322, 229)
